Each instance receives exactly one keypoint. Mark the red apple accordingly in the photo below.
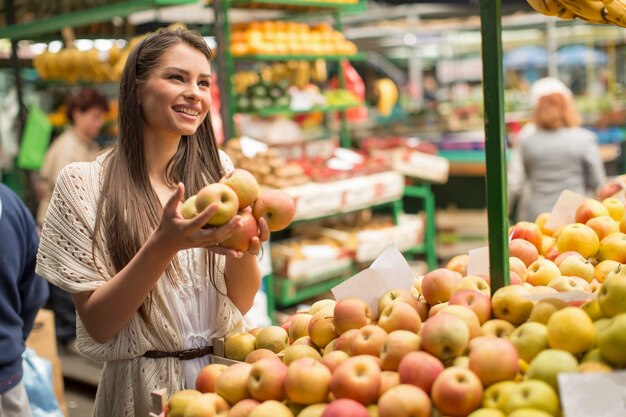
(244, 185)
(528, 231)
(388, 380)
(457, 392)
(276, 207)
(240, 240)
(368, 340)
(343, 341)
(400, 316)
(243, 408)
(445, 336)
(307, 381)
(493, 359)
(232, 383)
(343, 407)
(397, 345)
(258, 354)
(419, 369)
(223, 196)
(404, 401)
(523, 250)
(476, 301)
(351, 313)
(333, 359)
(205, 381)
(357, 378)
(437, 285)
(266, 380)
(590, 208)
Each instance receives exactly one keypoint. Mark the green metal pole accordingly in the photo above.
(493, 95)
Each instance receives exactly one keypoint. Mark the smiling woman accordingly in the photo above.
(152, 289)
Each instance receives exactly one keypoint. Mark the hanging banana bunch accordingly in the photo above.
(387, 93)
(593, 11)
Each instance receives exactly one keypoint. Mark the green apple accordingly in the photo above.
(239, 345)
(529, 412)
(612, 295)
(533, 394)
(495, 395)
(593, 310)
(594, 356)
(188, 209)
(572, 330)
(543, 309)
(509, 303)
(487, 412)
(179, 401)
(529, 339)
(612, 340)
(548, 364)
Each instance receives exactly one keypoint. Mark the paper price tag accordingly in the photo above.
(593, 394)
(389, 271)
(478, 262)
(250, 147)
(564, 211)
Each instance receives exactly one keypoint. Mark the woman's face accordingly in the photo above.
(176, 97)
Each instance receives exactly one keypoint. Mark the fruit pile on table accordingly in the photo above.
(444, 346)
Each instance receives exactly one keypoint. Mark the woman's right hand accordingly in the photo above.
(179, 233)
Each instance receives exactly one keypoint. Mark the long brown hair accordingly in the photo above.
(555, 111)
(129, 209)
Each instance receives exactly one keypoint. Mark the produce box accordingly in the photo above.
(315, 200)
(42, 339)
(421, 165)
(302, 258)
(388, 186)
(368, 241)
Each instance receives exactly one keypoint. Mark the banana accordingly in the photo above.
(562, 12)
(616, 11)
(590, 10)
(387, 95)
(540, 7)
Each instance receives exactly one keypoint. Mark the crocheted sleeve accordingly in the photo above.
(227, 164)
(65, 251)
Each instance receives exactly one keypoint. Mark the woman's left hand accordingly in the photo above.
(264, 234)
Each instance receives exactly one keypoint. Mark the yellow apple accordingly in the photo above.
(578, 237)
(603, 226)
(570, 329)
(541, 272)
(615, 206)
(509, 303)
(603, 268)
(613, 247)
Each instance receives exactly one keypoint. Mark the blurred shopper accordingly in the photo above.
(22, 293)
(152, 289)
(86, 111)
(553, 153)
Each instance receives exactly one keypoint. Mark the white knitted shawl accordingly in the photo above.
(65, 259)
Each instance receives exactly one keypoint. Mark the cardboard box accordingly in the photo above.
(42, 340)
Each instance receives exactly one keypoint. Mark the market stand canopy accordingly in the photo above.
(527, 57)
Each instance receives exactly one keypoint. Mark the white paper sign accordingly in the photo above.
(250, 147)
(564, 211)
(388, 272)
(478, 262)
(595, 394)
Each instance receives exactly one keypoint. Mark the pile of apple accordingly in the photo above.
(442, 348)
(239, 193)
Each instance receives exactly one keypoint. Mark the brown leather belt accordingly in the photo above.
(183, 355)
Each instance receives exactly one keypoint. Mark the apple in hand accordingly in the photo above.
(224, 197)
(244, 185)
(188, 209)
(457, 392)
(276, 207)
(240, 239)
